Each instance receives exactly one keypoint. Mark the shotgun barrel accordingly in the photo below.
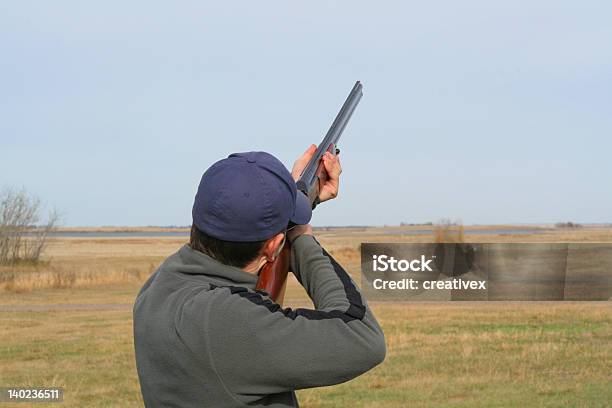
(273, 275)
(313, 175)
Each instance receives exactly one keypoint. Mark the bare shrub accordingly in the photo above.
(23, 234)
(447, 231)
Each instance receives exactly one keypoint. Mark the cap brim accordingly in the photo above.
(303, 209)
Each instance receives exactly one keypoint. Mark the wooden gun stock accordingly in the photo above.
(273, 275)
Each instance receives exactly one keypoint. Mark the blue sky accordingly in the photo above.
(489, 112)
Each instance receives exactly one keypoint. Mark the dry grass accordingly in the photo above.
(90, 262)
(449, 354)
(79, 262)
(90, 354)
(439, 354)
(21, 279)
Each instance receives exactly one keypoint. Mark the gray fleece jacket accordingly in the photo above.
(205, 338)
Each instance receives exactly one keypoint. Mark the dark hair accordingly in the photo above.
(232, 253)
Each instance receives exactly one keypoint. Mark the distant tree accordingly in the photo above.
(23, 234)
(415, 224)
(568, 224)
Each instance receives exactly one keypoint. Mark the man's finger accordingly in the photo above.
(302, 161)
(332, 165)
(311, 150)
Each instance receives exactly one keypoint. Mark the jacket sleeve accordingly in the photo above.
(260, 348)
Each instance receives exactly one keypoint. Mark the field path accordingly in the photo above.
(62, 307)
(295, 304)
(66, 307)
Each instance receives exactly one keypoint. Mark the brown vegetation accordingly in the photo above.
(90, 262)
(23, 234)
(447, 232)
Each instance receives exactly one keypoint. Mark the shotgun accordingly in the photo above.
(273, 276)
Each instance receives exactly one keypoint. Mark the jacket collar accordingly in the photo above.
(197, 263)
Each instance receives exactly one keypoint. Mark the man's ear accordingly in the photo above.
(270, 248)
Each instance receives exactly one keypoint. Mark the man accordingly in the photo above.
(205, 338)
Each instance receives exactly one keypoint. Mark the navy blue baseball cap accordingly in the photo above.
(248, 197)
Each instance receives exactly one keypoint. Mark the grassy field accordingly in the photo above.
(77, 333)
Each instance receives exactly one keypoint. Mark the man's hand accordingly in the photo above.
(332, 166)
(298, 230)
(332, 184)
